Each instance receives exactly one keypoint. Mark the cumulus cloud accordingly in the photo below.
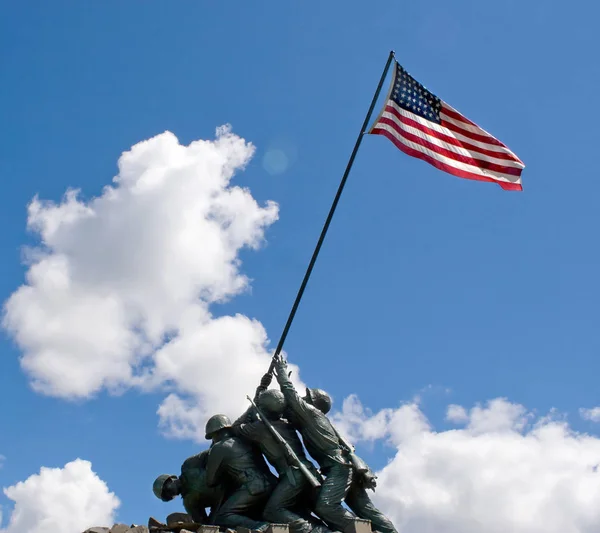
(504, 470)
(60, 500)
(119, 291)
(593, 414)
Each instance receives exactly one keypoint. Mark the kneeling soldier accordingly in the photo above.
(192, 487)
(235, 464)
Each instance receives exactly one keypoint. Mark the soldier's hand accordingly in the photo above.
(281, 366)
(266, 380)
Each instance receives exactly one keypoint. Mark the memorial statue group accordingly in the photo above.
(233, 479)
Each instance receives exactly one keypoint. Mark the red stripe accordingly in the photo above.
(457, 116)
(484, 137)
(447, 153)
(442, 166)
(447, 138)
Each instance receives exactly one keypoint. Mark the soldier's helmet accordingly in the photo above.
(271, 402)
(215, 423)
(320, 399)
(159, 484)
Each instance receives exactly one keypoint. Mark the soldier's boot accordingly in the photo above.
(300, 526)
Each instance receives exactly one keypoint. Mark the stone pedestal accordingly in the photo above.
(278, 528)
(358, 525)
(120, 528)
(153, 522)
(208, 529)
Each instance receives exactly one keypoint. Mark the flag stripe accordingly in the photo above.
(451, 143)
(449, 110)
(453, 113)
(448, 162)
(442, 166)
(449, 151)
(440, 131)
(466, 130)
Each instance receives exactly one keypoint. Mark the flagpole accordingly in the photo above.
(331, 213)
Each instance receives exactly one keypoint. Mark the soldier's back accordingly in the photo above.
(244, 465)
(193, 480)
(318, 434)
(239, 458)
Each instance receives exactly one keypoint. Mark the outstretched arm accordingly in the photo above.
(299, 407)
(246, 418)
(264, 385)
(250, 415)
(249, 431)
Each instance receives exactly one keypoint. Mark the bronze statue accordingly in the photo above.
(346, 479)
(234, 463)
(191, 485)
(290, 501)
(234, 481)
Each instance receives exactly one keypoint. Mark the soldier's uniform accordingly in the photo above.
(292, 492)
(233, 462)
(322, 443)
(192, 486)
(196, 493)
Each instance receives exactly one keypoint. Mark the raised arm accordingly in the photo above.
(294, 402)
(264, 385)
(246, 418)
(249, 431)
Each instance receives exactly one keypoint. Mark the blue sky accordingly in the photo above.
(427, 284)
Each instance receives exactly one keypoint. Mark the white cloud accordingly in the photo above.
(505, 470)
(456, 413)
(592, 414)
(61, 500)
(119, 292)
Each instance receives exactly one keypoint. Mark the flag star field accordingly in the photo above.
(411, 95)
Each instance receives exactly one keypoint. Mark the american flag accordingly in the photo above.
(423, 126)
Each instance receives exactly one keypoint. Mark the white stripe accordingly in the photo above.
(451, 147)
(446, 131)
(451, 162)
(472, 128)
(463, 125)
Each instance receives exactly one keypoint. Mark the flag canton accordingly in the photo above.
(409, 94)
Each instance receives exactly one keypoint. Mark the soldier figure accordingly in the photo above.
(308, 415)
(192, 487)
(237, 465)
(293, 490)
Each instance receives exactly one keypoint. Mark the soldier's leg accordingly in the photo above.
(233, 511)
(333, 492)
(358, 500)
(283, 499)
